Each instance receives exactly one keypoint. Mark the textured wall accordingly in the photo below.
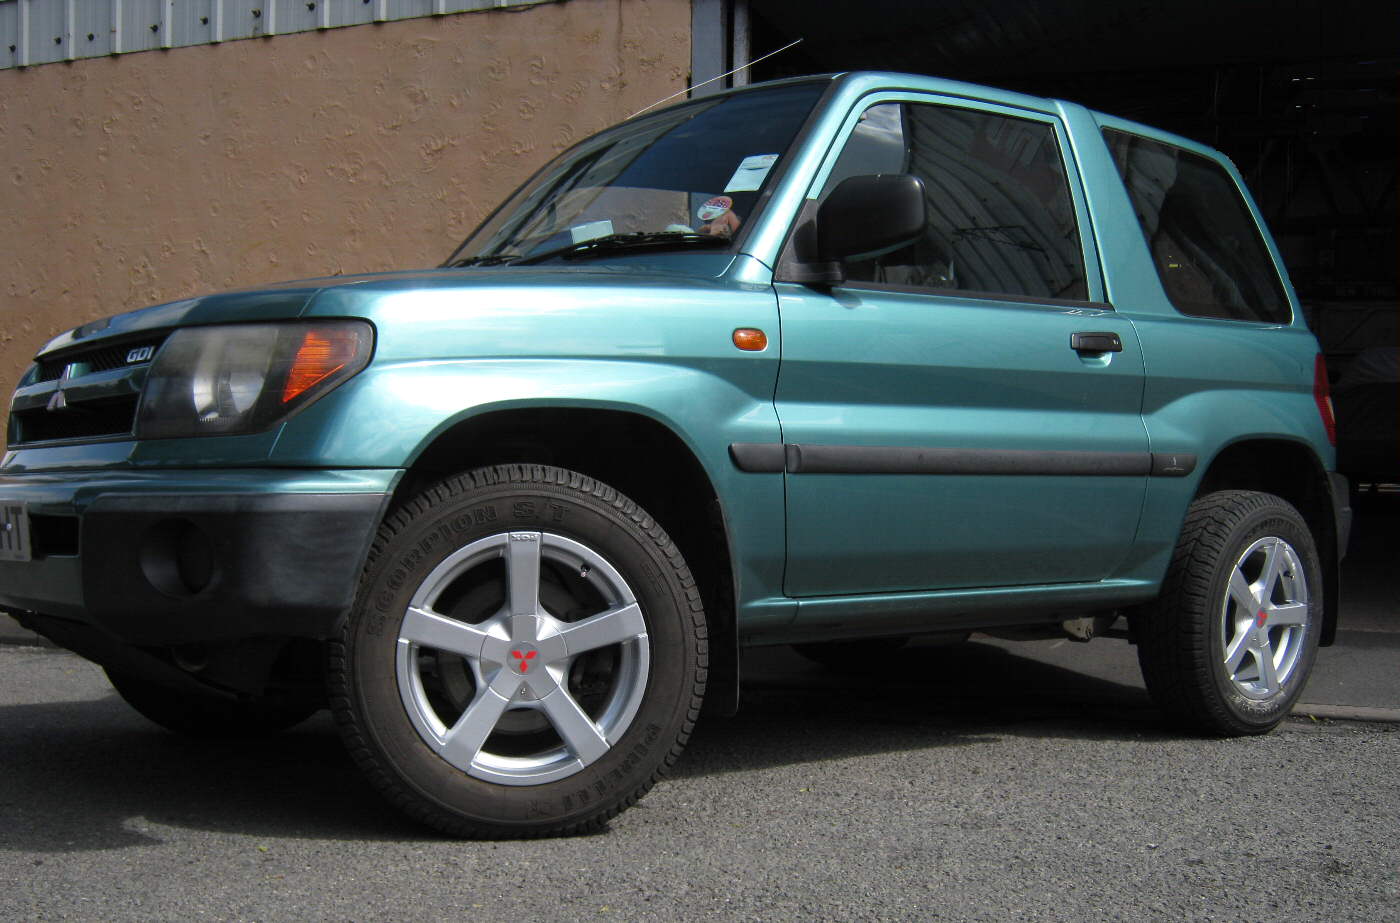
(143, 178)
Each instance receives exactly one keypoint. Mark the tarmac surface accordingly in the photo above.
(989, 781)
(970, 784)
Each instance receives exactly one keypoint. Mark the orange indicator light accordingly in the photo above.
(751, 339)
(322, 353)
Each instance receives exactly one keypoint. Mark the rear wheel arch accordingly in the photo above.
(1291, 471)
(1228, 645)
(658, 471)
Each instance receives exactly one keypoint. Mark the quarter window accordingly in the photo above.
(1207, 248)
(1000, 216)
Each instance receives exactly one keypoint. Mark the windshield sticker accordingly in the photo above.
(582, 232)
(751, 173)
(713, 208)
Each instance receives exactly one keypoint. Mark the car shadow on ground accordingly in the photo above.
(793, 711)
(92, 775)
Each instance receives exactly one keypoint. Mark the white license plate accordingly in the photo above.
(14, 531)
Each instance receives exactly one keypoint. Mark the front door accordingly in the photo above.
(963, 412)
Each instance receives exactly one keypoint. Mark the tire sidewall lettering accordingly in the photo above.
(633, 760)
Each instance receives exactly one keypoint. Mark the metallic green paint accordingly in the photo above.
(649, 334)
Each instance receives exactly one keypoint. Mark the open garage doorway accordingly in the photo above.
(1302, 96)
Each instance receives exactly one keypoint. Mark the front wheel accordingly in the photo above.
(525, 657)
(1228, 646)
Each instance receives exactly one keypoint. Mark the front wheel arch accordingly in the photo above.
(607, 633)
(661, 474)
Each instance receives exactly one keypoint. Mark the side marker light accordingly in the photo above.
(751, 339)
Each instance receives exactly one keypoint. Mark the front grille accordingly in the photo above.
(91, 419)
(102, 359)
(85, 392)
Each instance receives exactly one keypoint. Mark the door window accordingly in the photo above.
(1000, 217)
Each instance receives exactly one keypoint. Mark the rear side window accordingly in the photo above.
(1205, 244)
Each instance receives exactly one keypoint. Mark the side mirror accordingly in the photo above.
(866, 216)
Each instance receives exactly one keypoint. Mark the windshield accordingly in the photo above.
(690, 175)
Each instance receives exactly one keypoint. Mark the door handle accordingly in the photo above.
(1095, 342)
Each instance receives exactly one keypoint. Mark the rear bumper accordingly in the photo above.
(178, 557)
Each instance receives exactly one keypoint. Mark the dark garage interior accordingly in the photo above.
(1301, 94)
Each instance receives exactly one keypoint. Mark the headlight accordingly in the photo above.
(246, 377)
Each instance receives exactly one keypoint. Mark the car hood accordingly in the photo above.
(339, 294)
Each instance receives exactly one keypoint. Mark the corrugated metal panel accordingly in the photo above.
(138, 23)
(43, 31)
(9, 34)
(93, 33)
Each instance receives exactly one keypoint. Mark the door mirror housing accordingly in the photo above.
(866, 216)
(863, 217)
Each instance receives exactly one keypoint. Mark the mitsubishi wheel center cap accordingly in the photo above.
(522, 658)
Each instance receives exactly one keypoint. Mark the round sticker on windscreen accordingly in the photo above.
(714, 208)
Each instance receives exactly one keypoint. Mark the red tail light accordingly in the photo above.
(1323, 395)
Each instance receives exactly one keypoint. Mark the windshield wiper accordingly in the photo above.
(494, 259)
(636, 240)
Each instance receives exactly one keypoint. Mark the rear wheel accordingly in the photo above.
(1228, 646)
(525, 657)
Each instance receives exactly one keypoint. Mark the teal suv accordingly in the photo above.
(833, 362)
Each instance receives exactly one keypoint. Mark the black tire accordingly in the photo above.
(208, 717)
(415, 705)
(1185, 638)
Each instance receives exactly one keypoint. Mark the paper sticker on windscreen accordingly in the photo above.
(751, 173)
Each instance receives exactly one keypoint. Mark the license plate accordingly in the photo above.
(14, 531)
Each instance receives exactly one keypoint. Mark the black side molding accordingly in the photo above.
(774, 458)
(758, 457)
(1166, 465)
(831, 459)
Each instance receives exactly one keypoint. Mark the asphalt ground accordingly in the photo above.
(995, 780)
(828, 797)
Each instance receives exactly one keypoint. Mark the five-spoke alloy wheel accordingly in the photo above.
(525, 657)
(1228, 645)
(1264, 618)
(474, 691)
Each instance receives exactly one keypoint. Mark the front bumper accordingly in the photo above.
(174, 557)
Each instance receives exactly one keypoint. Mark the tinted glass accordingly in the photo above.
(1000, 216)
(699, 167)
(1208, 251)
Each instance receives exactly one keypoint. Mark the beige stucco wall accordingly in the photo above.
(143, 178)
